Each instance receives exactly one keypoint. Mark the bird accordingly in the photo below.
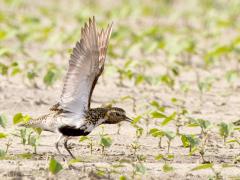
(72, 116)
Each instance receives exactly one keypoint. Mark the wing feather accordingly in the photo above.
(85, 66)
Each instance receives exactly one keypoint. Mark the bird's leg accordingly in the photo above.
(57, 143)
(66, 147)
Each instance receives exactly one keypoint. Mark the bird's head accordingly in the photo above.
(115, 115)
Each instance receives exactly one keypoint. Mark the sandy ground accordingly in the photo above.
(220, 104)
(15, 97)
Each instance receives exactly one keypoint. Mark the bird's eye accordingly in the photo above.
(117, 114)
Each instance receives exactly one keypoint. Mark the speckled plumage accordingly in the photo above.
(53, 121)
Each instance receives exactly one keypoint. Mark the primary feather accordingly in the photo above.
(85, 66)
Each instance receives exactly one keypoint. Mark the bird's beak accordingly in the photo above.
(128, 119)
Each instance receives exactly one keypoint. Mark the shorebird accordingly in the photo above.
(72, 115)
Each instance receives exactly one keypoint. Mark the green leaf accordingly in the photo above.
(33, 141)
(100, 172)
(17, 118)
(185, 141)
(51, 77)
(73, 161)
(128, 63)
(3, 34)
(204, 124)
(106, 141)
(170, 156)
(38, 130)
(157, 114)
(139, 131)
(31, 74)
(2, 153)
(15, 71)
(234, 141)
(20, 118)
(140, 168)
(23, 133)
(159, 157)
(202, 166)
(168, 119)
(225, 165)
(3, 135)
(25, 155)
(139, 79)
(225, 129)
(3, 69)
(231, 75)
(83, 138)
(26, 118)
(220, 50)
(3, 120)
(170, 134)
(206, 84)
(136, 119)
(167, 168)
(125, 161)
(155, 104)
(168, 80)
(156, 132)
(122, 178)
(190, 140)
(54, 166)
(5, 52)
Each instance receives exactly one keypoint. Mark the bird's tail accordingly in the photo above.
(34, 122)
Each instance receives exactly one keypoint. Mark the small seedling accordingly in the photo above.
(205, 125)
(157, 133)
(105, 140)
(166, 158)
(190, 141)
(90, 141)
(3, 120)
(225, 130)
(20, 118)
(170, 135)
(135, 146)
(54, 166)
(52, 75)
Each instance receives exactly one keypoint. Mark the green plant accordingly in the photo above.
(190, 141)
(225, 130)
(89, 140)
(3, 120)
(105, 140)
(30, 137)
(166, 158)
(54, 166)
(170, 135)
(20, 118)
(52, 74)
(217, 173)
(157, 133)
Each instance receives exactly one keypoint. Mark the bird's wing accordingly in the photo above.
(85, 66)
(103, 39)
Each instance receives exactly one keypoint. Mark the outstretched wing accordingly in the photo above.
(85, 66)
(103, 39)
